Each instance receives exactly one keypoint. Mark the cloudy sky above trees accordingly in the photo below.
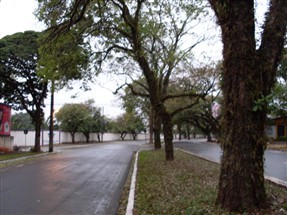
(17, 16)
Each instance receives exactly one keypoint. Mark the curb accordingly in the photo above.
(188, 152)
(130, 206)
(276, 181)
(46, 152)
(269, 178)
(26, 157)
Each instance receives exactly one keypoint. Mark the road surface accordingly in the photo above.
(79, 181)
(275, 161)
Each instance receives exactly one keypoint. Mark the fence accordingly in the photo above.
(20, 139)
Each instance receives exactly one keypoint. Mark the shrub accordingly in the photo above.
(281, 139)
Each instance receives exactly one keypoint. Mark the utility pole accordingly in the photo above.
(51, 126)
(102, 134)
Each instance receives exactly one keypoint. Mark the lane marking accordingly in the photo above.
(130, 206)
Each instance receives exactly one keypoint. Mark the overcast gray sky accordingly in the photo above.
(17, 16)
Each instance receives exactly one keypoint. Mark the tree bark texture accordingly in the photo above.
(151, 125)
(37, 147)
(157, 131)
(168, 135)
(37, 118)
(247, 77)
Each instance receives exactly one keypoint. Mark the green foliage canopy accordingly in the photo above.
(20, 86)
(64, 58)
(71, 116)
(128, 122)
(21, 121)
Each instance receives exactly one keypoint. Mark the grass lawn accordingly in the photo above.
(187, 185)
(281, 146)
(14, 155)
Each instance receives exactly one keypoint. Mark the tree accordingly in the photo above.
(63, 59)
(135, 123)
(71, 117)
(142, 106)
(282, 69)
(119, 125)
(278, 103)
(201, 117)
(146, 34)
(21, 121)
(127, 123)
(21, 87)
(198, 112)
(249, 71)
(94, 122)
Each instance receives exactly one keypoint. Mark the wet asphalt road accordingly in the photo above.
(80, 181)
(275, 161)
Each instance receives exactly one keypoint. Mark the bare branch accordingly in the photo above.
(136, 93)
(182, 95)
(185, 107)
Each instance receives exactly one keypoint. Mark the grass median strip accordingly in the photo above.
(12, 159)
(10, 156)
(187, 185)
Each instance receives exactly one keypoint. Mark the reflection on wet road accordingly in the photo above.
(85, 180)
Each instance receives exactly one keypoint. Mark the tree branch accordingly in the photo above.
(270, 50)
(182, 95)
(184, 108)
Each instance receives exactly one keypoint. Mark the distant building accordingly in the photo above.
(277, 128)
(281, 127)
(6, 141)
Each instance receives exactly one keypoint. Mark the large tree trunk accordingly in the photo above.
(241, 183)
(37, 121)
(151, 125)
(37, 147)
(246, 79)
(155, 96)
(167, 132)
(157, 131)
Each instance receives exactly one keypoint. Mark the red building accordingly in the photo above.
(6, 141)
(5, 120)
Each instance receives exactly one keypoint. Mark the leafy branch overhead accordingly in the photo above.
(149, 35)
(20, 85)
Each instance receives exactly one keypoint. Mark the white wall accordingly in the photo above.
(6, 142)
(270, 131)
(20, 139)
